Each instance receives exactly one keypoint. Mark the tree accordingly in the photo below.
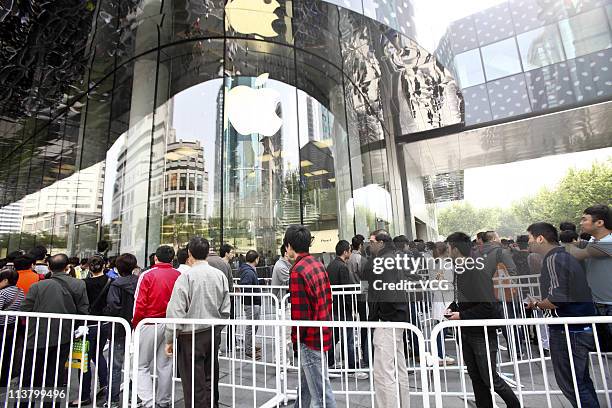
(566, 201)
(464, 217)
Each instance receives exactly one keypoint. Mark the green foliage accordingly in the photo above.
(465, 217)
(578, 190)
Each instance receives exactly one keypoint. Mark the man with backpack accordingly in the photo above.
(120, 303)
(97, 286)
(498, 264)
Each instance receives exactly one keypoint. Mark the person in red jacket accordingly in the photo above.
(150, 300)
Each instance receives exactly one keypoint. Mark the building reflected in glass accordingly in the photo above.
(147, 122)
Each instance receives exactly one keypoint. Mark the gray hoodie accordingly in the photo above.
(494, 254)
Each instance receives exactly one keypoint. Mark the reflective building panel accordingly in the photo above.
(226, 119)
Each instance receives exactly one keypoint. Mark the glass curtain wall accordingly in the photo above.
(229, 120)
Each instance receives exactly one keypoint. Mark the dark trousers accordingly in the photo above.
(409, 335)
(475, 358)
(604, 331)
(582, 343)
(34, 372)
(363, 316)
(96, 354)
(338, 337)
(8, 352)
(195, 353)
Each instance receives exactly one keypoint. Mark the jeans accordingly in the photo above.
(250, 313)
(339, 335)
(390, 385)
(96, 354)
(118, 359)
(477, 360)
(315, 389)
(440, 342)
(581, 343)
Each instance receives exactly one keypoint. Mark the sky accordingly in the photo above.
(506, 183)
(434, 17)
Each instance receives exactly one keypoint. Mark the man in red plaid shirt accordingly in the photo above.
(310, 300)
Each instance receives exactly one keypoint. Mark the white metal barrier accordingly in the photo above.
(276, 377)
(529, 379)
(259, 388)
(42, 359)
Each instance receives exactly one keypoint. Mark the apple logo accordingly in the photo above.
(252, 16)
(252, 110)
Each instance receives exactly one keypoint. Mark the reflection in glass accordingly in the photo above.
(233, 137)
(469, 68)
(501, 59)
(260, 184)
(585, 33)
(540, 47)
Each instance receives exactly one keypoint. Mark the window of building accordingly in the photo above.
(190, 205)
(200, 183)
(585, 33)
(469, 68)
(501, 59)
(192, 182)
(174, 181)
(540, 47)
(183, 185)
(181, 203)
(172, 207)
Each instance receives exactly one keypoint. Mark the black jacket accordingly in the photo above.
(248, 277)
(476, 298)
(120, 300)
(339, 274)
(385, 305)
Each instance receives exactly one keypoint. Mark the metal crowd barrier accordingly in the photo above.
(532, 380)
(43, 360)
(258, 387)
(273, 376)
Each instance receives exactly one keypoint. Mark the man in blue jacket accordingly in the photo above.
(565, 293)
(252, 304)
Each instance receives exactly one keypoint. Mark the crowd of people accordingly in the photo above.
(195, 283)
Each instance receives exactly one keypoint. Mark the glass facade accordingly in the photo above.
(230, 120)
(530, 55)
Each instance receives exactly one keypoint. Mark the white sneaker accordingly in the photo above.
(359, 375)
(447, 360)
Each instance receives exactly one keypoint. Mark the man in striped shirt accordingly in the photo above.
(565, 293)
(10, 300)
